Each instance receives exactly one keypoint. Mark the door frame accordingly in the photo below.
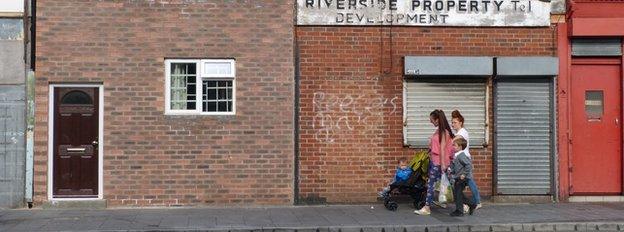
(51, 100)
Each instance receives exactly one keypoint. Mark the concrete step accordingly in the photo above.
(513, 199)
(77, 204)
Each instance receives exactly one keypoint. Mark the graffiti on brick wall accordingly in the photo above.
(335, 114)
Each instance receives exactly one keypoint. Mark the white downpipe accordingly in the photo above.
(30, 126)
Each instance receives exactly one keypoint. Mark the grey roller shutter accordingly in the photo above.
(423, 96)
(12, 145)
(523, 136)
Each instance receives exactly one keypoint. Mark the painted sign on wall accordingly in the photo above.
(500, 13)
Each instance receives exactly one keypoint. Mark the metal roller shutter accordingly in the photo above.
(523, 143)
(423, 96)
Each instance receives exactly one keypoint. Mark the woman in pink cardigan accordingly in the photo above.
(440, 154)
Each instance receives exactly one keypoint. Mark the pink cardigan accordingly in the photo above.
(434, 155)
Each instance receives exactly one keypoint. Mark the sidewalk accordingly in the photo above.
(358, 218)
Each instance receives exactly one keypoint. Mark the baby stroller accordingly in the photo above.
(415, 186)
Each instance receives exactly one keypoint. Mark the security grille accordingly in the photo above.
(523, 136)
(425, 95)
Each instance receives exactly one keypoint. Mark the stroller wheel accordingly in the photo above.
(392, 206)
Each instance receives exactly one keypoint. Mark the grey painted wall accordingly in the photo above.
(557, 7)
(12, 113)
(12, 145)
(11, 29)
(12, 67)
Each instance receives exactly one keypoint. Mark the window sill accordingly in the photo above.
(200, 114)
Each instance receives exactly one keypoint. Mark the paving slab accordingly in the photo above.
(258, 218)
(198, 221)
(283, 216)
(30, 225)
(312, 217)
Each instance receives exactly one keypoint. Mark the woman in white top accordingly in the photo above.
(457, 122)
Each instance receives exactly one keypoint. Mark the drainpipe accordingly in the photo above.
(296, 169)
(30, 125)
(296, 114)
(30, 100)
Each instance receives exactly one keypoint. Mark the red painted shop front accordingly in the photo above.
(590, 99)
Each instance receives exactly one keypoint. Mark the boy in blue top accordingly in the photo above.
(401, 176)
(461, 172)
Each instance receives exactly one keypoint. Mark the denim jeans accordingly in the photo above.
(475, 191)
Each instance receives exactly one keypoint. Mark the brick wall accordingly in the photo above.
(351, 100)
(153, 159)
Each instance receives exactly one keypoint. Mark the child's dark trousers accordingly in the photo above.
(458, 195)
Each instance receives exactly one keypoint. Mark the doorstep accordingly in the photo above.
(515, 199)
(596, 199)
(75, 204)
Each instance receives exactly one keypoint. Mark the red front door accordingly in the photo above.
(596, 127)
(76, 127)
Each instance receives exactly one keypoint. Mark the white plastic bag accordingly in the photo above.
(444, 184)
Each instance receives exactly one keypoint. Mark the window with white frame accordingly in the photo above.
(200, 86)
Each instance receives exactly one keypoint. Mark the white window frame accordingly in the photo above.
(201, 76)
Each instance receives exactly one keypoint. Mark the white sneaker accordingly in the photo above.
(422, 211)
(467, 208)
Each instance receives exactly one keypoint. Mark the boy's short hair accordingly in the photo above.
(402, 160)
(461, 142)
